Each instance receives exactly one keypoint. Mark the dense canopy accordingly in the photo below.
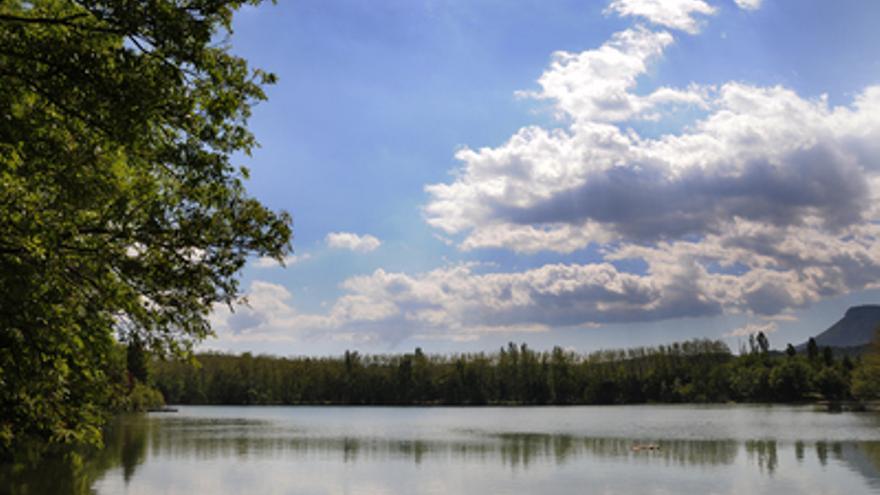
(691, 371)
(124, 217)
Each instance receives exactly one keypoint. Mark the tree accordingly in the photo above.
(790, 351)
(137, 361)
(866, 378)
(763, 343)
(831, 383)
(812, 350)
(123, 215)
(827, 356)
(790, 380)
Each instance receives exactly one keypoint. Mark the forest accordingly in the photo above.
(696, 371)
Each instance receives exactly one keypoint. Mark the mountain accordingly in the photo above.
(855, 329)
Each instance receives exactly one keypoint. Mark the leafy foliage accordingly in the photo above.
(694, 371)
(122, 212)
(866, 378)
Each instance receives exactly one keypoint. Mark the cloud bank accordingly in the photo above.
(766, 202)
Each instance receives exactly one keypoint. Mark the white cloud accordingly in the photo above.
(354, 242)
(266, 262)
(563, 237)
(596, 85)
(265, 314)
(752, 329)
(455, 302)
(781, 317)
(768, 270)
(675, 14)
(593, 89)
(768, 202)
(762, 154)
(749, 4)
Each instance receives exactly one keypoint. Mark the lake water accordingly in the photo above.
(486, 451)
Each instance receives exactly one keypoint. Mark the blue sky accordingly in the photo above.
(686, 168)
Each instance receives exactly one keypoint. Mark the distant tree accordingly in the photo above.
(790, 380)
(137, 361)
(827, 356)
(866, 378)
(421, 374)
(790, 351)
(812, 350)
(405, 379)
(763, 343)
(693, 371)
(831, 383)
(847, 364)
(121, 210)
(749, 380)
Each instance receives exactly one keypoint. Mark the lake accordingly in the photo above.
(487, 450)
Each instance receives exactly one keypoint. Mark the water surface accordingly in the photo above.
(411, 450)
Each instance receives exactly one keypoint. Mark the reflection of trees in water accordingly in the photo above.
(128, 441)
(823, 449)
(763, 452)
(862, 458)
(512, 449)
(255, 439)
(125, 446)
(129, 444)
(521, 449)
(822, 452)
(871, 450)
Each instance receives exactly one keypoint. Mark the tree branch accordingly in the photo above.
(42, 20)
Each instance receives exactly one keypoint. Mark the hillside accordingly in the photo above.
(855, 329)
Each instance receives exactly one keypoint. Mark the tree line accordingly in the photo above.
(692, 371)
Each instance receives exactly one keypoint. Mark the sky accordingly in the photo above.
(588, 174)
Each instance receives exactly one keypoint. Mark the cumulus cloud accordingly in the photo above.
(265, 314)
(764, 154)
(762, 270)
(553, 295)
(675, 14)
(752, 329)
(455, 302)
(767, 202)
(596, 85)
(749, 4)
(354, 242)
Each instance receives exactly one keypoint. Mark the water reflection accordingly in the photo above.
(135, 441)
(763, 454)
(862, 458)
(518, 449)
(254, 439)
(125, 448)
